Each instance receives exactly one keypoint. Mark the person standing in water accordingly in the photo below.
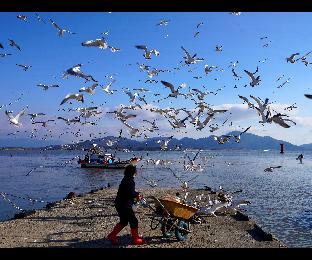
(125, 199)
(300, 157)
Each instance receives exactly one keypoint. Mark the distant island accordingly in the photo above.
(248, 142)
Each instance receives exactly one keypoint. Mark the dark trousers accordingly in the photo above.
(126, 215)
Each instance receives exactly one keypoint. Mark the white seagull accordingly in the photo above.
(190, 59)
(46, 87)
(89, 90)
(78, 97)
(147, 54)
(15, 119)
(100, 43)
(60, 30)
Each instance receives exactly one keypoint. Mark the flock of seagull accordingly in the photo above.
(201, 116)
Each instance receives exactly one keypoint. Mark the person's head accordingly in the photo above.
(130, 171)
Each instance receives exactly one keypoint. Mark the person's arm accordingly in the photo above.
(133, 193)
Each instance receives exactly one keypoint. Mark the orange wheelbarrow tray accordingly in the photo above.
(173, 216)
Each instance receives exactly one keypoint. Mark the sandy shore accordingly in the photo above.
(85, 220)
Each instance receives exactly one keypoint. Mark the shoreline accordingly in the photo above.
(84, 221)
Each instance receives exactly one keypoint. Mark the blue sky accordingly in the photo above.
(50, 55)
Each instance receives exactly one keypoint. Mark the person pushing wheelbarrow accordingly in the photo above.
(125, 199)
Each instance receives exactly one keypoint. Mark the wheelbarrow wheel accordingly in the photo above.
(167, 229)
(180, 234)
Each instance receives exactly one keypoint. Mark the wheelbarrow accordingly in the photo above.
(171, 215)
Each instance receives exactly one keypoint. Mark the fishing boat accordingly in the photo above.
(105, 161)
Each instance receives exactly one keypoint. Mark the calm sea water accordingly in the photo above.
(280, 201)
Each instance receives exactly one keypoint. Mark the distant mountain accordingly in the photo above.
(248, 141)
(28, 142)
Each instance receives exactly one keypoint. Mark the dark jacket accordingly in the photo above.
(126, 193)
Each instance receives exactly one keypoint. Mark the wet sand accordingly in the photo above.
(85, 220)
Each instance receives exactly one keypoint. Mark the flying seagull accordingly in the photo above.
(75, 71)
(89, 90)
(15, 119)
(14, 44)
(34, 115)
(190, 59)
(174, 93)
(291, 59)
(39, 18)
(147, 54)
(2, 55)
(163, 22)
(60, 30)
(78, 97)
(254, 80)
(46, 87)
(238, 137)
(101, 43)
(22, 17)
(25, 67)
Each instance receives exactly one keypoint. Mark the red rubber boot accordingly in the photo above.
(113, 235)
(137, 240)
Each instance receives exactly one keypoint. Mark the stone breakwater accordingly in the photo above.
(83, 221)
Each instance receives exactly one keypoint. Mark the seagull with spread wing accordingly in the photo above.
(14, 44)
(174, 92)
(238, 137)
(14, 120)
(188, 59)
(60, 30)
(291, 59)
(89, 90)
(254, 80)
(78, 97)
(46, 87)
(75, 71)
(147, 54)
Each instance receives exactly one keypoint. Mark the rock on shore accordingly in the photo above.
(85, 220)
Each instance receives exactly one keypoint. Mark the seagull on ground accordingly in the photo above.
(270, 169)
